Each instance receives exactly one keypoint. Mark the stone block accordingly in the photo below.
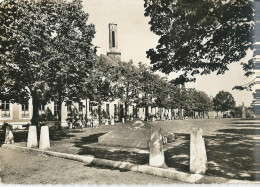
(156, 157)
(106, 121)
(198, 156)
(32, 137)
(9, 137)
(112, 122)
(123, 120)
(44, 138)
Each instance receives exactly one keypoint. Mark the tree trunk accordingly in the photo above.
(99, 114)
(59, 104)
(36, 104)
(136, 112)
(146, 113)
(126, 107)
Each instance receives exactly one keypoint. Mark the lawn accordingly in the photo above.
(229, 145)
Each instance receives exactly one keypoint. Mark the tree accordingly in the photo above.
(162, 93)
(128, 84)
(199, 37)
(223, 101)
(71, 53)
(102, 83)
(46, 51)
(236, 112)
(203, 102)
(149, 83)
(24, 48)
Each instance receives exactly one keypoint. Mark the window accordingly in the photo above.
(113, 39)
(115, 109)
(90, 107)
(107, 109)
(80, 106)
(25, 110)
(5, 107)
(69, 110)
(41, 109)
(55, 108)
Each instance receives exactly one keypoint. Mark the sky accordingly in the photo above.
(135, 38)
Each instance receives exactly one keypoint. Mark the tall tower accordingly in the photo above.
(113, 43)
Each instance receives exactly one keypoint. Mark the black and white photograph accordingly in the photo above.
(129, 92)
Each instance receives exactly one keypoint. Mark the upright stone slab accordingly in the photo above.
(32, 137)
(112, 121)
(123, 120)
(44, 138)
(156, 148)
(198, 156)
(106, 121)
(9, 137)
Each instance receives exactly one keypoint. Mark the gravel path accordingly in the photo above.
(19, 167)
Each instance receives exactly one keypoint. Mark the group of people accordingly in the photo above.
(82, 124)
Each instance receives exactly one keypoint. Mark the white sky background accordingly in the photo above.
(135, 38)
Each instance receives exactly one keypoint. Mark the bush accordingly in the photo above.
(49, 116)
(150, 117)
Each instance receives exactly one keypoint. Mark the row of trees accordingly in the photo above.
(140, 86)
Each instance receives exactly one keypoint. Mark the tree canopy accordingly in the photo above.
(223, 101)
(46, 51)
(200, 37)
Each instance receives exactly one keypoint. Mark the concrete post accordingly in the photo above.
(198, 156)
(44, 138)
(32, 137)
(112, 121)
(156, 148)
(9, 137)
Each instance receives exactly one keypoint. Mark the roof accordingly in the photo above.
(108, 60)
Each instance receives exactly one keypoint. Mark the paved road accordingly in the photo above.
(22, 167)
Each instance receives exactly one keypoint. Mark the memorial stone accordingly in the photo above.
(32, 137)
(198, 156)
(156, 148)
(44, 138)
(112, 121)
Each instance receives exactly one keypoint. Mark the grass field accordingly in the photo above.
(229, 145)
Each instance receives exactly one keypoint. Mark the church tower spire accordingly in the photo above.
(113, 43)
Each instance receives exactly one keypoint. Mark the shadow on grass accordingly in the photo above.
(229, 155)
(178, 157)
(239, 131)
(55, 135)
(105, 167)
(239, 122)
(125, 156)
(252, 126)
